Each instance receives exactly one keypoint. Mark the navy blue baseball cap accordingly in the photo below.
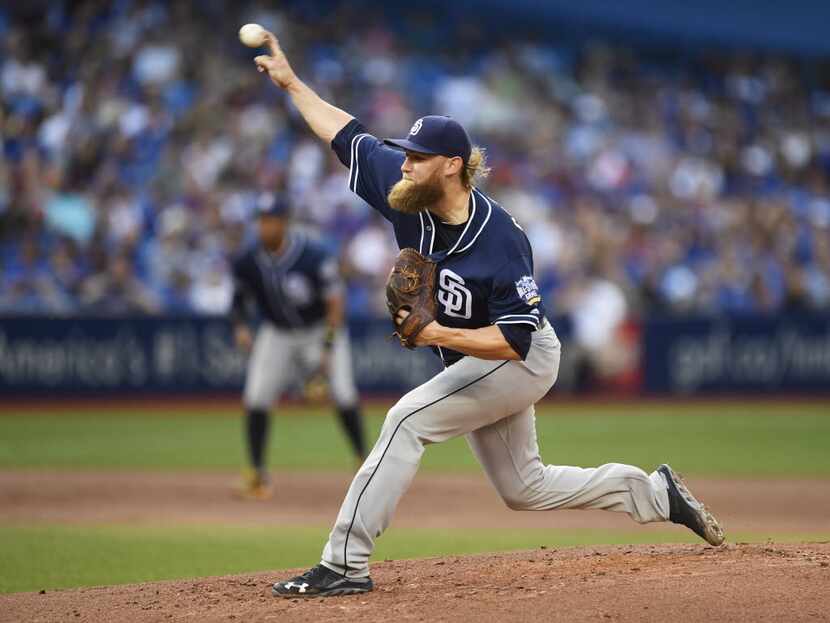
(438, 135)
(272, 204)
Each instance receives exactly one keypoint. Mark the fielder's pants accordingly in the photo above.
(491, 402)
(280, 356)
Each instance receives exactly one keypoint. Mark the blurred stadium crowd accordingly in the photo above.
(137, 136)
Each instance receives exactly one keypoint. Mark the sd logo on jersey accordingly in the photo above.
(528, 290)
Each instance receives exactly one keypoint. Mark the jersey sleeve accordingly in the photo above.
(518, 336)
(515, 298)
(373, 167)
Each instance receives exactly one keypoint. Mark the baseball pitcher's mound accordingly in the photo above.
(742, 582)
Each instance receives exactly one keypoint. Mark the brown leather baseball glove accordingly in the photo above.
(411, 287)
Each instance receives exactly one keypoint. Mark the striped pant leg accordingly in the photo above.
(509, 453)
(341, 373)
(468, 395)
(268, 367)
(342, 388)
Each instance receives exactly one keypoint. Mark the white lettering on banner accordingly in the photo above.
(378, 362)
(173, 354)
(456, 299)
(768, 360)
(73, 358)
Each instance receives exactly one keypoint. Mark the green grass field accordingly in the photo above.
(707, 439)
(70, 556)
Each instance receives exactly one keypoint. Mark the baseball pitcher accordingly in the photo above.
(466, 277)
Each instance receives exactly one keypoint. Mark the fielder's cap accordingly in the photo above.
(436, 134)
(272, 204)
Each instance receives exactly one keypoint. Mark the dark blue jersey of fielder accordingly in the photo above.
(289, 288)
(485, 266)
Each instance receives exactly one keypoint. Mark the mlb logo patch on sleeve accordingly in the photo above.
(528, 290)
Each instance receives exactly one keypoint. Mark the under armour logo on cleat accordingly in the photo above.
(301, 587)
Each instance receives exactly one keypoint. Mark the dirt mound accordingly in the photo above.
(643, 583)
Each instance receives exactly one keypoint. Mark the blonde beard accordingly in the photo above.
(409, 197)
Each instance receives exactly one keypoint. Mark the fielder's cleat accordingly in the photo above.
(320, 581)
(685, 509)
(255, 486)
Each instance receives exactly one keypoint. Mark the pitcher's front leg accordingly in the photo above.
(374, 494)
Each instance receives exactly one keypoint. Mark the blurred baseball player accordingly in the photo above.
(295, 285)
(500, 353)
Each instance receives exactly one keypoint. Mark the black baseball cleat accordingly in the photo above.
(686, 510)
(320, 581)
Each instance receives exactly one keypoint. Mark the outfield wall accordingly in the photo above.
(175, 355)
(770, 354)
(191, 355)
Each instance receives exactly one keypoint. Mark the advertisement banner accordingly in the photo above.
(775, 354)
(91, 356)
(186, 355)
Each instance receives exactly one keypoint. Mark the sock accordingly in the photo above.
(256, 424)
(353, 425)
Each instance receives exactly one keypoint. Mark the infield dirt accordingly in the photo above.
(760, 506)
(643, 583)
(737, 582)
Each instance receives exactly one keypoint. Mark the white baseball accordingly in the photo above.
(252, 35)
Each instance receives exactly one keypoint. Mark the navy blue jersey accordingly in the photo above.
(289, 289)
(485, 272)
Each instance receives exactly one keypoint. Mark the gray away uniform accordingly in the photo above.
(485, 277)
(290, 290)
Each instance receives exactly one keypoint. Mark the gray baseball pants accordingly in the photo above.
(492, 403)
(280, 355)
